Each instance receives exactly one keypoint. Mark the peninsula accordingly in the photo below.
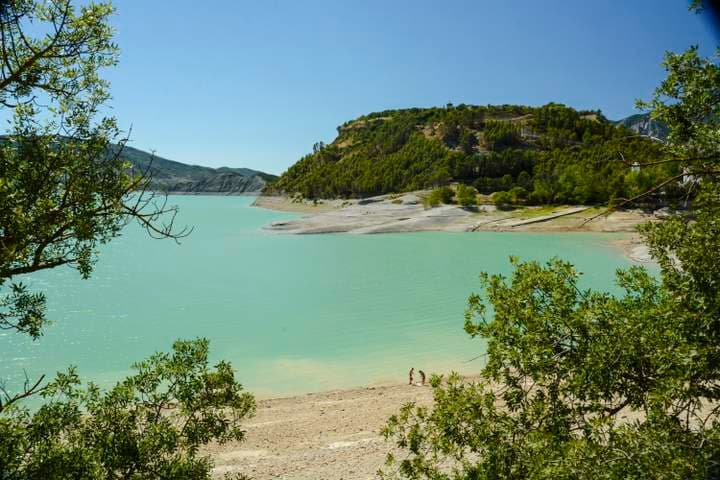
(549, 155)
(479, 168)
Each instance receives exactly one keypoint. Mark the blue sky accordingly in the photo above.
(256, 83)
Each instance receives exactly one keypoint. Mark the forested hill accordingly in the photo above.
(172, 176)
(550, 154)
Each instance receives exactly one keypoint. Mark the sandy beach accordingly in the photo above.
(332, 435)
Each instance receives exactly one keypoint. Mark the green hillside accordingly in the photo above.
(172, 176)
(554, 153)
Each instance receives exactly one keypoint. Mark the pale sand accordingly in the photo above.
(328, 436)
(332, 435)
(405, 213)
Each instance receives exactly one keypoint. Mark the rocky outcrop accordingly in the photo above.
(642, 124)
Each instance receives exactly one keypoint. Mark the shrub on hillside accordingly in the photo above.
(439, 195)
(466, 196)
(518, 194)
(499, 135)
(502, 200)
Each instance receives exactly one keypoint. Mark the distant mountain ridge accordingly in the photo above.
(176, 177)
(642, 124)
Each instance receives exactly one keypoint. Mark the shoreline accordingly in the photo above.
(403, 213)
(333, 434)
(212, 194)
(336, 433)
(633, 248)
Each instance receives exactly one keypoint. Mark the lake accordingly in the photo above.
(293, 313)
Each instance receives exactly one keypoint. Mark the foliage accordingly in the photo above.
(501, 135)
(404, 162)
(591, 176)
(502, 199)
(438, 196)
(150, 425)
(689, 102)
(518, 194)
(450, 133)
(587, 384)
(467, 142)
(64, 191)
(563, 365)
(557, 154)
(465, 196)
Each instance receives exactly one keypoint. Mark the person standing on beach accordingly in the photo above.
(411, 376)
(422, 377)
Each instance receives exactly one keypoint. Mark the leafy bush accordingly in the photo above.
(500, 135)
(149, 425)
(465, 195)
(440, 195)
(467, 142)
(502, 200)
(518, 194)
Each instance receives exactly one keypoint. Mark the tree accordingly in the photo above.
(465, 196)
(149, 425)
(524, 180)
(563, 367)
(450, 133)
(586, 384)
(318, 147)
(439, 195)
(518, 194)
(467, 142)
(501, 134)
(502, 199)
(64, 190)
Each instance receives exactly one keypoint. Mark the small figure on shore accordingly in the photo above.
(422, 377)
(411, 376)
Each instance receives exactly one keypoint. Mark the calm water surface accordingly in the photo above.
(292, 313)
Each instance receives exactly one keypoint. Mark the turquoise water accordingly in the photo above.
(292, 313)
